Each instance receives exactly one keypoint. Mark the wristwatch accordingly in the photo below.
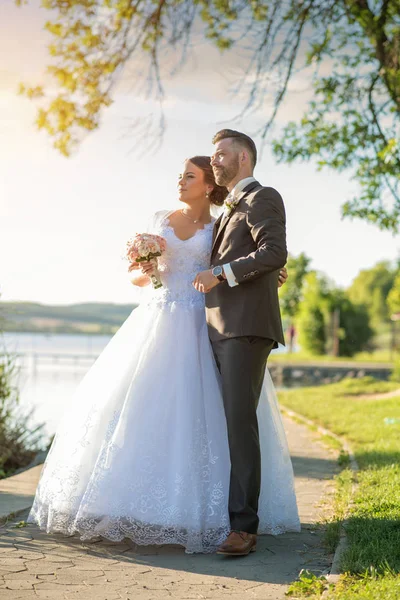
(218, 273)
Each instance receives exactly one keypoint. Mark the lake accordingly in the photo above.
(50, 368)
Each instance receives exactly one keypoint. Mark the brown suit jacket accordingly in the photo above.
(252, 238)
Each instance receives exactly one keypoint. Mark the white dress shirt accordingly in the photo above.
(239, 187)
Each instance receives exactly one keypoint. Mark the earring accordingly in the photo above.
(207, 194)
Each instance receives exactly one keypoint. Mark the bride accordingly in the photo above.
(142, 451)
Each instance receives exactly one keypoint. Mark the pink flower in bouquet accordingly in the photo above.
(146, 247)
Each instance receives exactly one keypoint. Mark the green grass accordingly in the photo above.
(372, 559)
(307, 586)
(368, 587)
(364, 386)
(344, 484)
(376, 357)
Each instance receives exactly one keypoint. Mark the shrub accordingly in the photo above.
(18, 442)
(355, 327)
(311, 317)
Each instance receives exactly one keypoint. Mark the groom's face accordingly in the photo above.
(225, 161)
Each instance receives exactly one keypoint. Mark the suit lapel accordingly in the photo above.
(216, 227)
(224, 219)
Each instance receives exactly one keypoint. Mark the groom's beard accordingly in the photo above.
(224, 175)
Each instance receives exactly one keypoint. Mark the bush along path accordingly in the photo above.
(19, 443)
(370, 562)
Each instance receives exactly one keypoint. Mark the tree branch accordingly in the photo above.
(384, 48)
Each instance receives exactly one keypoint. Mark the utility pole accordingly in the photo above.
(393, 342)
(335, 331)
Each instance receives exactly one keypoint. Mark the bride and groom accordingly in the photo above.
(174, 436)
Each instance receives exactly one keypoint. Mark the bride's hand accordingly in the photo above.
(148, 268)
(137, 275)
(283, 275)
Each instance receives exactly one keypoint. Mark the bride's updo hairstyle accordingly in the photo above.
(219, 192)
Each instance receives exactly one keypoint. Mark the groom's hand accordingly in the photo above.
(283, 275)
(205, 281)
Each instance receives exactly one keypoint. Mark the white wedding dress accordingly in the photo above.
(142, 451)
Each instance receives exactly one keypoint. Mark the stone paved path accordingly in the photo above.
(34, 565)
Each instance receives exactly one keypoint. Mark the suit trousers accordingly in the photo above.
(241, 362)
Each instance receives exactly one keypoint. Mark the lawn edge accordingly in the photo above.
(334, 572)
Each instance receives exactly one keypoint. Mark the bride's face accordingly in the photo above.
(191, 184)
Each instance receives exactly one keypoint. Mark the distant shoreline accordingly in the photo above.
(75, 319)
(60, 331)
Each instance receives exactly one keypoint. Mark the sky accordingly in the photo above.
(64, 222)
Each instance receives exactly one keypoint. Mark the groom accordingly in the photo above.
(243, 316)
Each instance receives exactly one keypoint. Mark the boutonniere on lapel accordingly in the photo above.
(230, 204)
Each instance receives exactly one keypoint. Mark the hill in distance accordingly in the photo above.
(90, 317)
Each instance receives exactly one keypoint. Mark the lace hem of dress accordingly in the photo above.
(116, 529)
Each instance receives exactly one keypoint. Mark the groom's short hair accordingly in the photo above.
(241, 139)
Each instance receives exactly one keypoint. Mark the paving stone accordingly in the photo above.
(46, 576)
(23, 575)
(56, 558)
(71, 576)
(83, 565)
(42, 567)
(125, 579)
(6, 548)
(49, 594)
(48, 566)
(54, 585)
(23, 584)
(10, 561)
(18, 595)
(96, 595)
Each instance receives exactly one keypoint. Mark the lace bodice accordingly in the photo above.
(180, 263)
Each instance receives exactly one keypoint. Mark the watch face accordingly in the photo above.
(217, 271)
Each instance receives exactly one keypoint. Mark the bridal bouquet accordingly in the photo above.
(145, 247)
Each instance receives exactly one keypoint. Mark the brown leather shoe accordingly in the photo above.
(238, 543)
